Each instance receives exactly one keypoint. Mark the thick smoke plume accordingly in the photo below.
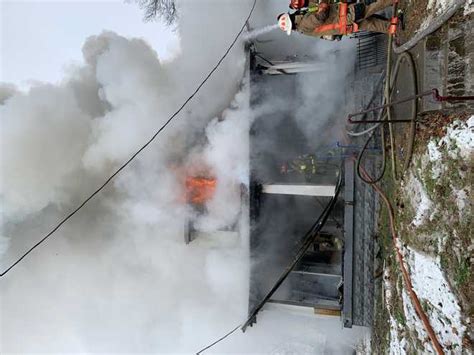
(59, 142)
(118, 277)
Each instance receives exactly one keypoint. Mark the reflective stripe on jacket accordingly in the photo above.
(341, 26)
(338, 20)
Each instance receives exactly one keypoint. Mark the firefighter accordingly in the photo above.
(309, 5)
(335, 19)
(312, 4)
(304, 164)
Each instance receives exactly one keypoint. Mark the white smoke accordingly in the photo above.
(227, 152)
(322, 95)
(53, 135)
(120, 269)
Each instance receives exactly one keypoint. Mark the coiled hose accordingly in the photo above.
(386, 114)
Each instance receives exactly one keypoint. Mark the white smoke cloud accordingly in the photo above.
(322, 96)
(120, 277)
(112, 104)
(227, 153)
(44, 135)
(137, 88)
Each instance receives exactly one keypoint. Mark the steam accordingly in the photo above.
(322, 96)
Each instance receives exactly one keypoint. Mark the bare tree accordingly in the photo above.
(163, 9)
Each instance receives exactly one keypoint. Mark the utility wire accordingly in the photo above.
(64, 220)
(307, 241)
(218, 340)
(309, 237)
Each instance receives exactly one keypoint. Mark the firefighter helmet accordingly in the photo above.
(297, 4)
(284, 22)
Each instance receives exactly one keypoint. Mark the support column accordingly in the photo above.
(349, 241)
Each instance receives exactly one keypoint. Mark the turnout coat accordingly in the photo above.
(342, 19)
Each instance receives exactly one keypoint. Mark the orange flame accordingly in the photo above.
(199, 190)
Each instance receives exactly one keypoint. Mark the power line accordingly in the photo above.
(64, 220)
(308, 239)
(218, 340)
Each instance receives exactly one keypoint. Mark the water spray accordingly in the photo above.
(259, 31)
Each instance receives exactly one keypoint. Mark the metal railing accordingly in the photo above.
(371, 49)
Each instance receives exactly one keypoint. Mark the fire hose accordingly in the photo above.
(386, 118)
(433, 92)
(406, 277)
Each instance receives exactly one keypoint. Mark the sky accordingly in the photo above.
(53, 32)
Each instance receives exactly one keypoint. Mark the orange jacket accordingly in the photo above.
(334, 19)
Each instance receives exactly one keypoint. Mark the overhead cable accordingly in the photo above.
(150, 140)
(218, 340)
(307, 240)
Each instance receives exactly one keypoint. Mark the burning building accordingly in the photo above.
(311, 220)
(300, 163)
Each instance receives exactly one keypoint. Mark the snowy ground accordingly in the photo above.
(433, 220)
(436, 8)
(420, 14)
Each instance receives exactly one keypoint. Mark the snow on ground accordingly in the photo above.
(459, 139)
(442, 239)
(435, 156)
(438, 7)
(440, 165)
(458, 142)
(438, 301)
(414, 323)
(420, 200)
(433, 290)
(462, 200)
(397, 342)
(469, 7)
